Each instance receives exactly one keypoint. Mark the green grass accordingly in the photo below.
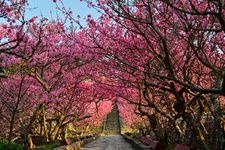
(12, 146)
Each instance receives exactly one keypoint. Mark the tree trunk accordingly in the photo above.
(45, 123)
(55, 133)
(11, 127)
(57, 128)
(30, 142)
(219, 139)
(14, 111)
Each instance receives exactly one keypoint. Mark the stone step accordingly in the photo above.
(112, 124)
(111, 142)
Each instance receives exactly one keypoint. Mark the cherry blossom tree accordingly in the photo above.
(16, 98)
(58, 65)
(12, 25)
(164, 59)
(171, 49)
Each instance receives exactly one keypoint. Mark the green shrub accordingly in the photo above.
(12, 146)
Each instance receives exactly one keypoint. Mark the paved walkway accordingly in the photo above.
(110, 142)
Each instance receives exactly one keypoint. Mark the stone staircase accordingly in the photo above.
(112, 122)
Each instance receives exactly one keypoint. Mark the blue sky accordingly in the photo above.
(44, 7)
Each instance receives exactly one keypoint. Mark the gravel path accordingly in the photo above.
(110, 142)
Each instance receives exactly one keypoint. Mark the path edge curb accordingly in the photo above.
(78, 144)
(135, 143)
